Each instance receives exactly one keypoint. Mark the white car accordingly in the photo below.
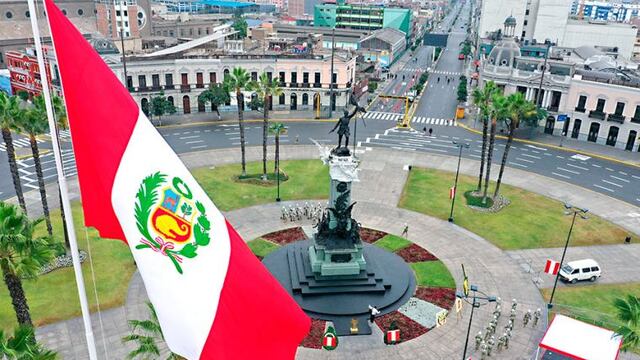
(574, 271)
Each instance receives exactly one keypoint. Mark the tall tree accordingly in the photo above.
(160, 106)
(216, 95)
(497, 112)
(34, 122)
(277, 129)
(9, 110)
(22, 254)
(237, 81)
(147, 334)
(517, 109)
(629, 315)
(482, 98)
(240, 25)
(266, 89)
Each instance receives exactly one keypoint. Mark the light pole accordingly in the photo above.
(476, 302)
(569, 210)
(333, 51)
(455, 184)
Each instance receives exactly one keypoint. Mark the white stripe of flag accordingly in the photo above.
(552, 267)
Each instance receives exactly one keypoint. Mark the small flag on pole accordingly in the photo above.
(552, 267)
(393, 336)
(452, 192)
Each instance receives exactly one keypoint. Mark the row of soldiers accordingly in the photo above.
(297, 212)
(485, 342)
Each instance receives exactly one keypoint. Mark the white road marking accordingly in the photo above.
(610, 169)
(603, 188)
(194, 142)
(612, 183)
(198, 147)
(596, 165)
(531, 156)
(623, 173)
(525, 160)
(635, 177)
(567, 170)
(560, 157)
(563, 176)
(577, 167)
(189, 137)
(580, 157)
(515, 163)
(621, 179)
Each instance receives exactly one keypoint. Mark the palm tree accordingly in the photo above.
(34, 122)
(629, 314)
(22, 254)
(266, 89)
(238, 81)
(482, 98)
(277, 129)
(9, 109)
(518, 108)
(497, 111)
(62, 123)
(23, 346)
(147, 338)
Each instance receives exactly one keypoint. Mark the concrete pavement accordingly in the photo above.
(496, 272)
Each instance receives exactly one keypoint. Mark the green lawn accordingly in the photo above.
(308, 179)
(53, 297)
(592, 303)
(530, 221)
(262, 247)
(392, 242)
(433, 274)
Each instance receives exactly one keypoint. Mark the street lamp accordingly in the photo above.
(569, 210)
(476, 302)
(455, 184)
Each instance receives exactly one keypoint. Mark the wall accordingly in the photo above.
(551, 20)
(580, 33)
(494, 12)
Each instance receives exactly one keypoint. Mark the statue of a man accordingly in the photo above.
(343, 123)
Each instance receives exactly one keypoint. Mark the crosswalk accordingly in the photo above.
(380, 115)
(440, 72)
(433, 121)
(414, 69)
(19, 143)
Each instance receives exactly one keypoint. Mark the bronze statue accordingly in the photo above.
(343, 122)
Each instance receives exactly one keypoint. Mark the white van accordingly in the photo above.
(587, 269)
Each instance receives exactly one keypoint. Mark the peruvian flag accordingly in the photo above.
(329, 340)
(452, 192)
(214, 299)
(552, 267)
(393, 336)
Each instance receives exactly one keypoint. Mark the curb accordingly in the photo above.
(556, 147)
(29, 156)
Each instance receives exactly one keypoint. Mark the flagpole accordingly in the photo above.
(64, 190)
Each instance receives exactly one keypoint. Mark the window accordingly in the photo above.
(199, 80)
(185, 79)
(524, 33)
(281, 99)
(269, 75)
(168, 79)
(199, 31)
(254, 75)
(80, 12)
(64, 11)
(213, 78)
(526, 12)
(316, 78)
(27, 14)
(117, 12)
(294, 77)
(281, 77)
(125, 13)
(129, 82)
(207, 31)
(575, 271)
(334, 78)
(155, 81)
(142, 81)
(594, 268)
(305, 77)
(525, 23)
(126, 24)
(190, 31)
(171, 33)
(582, 101)
(619, 108)
(586, 270)
(636, 115)
(8, 14)
(600, 105)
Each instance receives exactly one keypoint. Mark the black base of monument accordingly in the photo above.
(387, 283)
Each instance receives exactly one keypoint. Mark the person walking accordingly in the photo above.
(405, 231)
(373, 312)
(430, 131)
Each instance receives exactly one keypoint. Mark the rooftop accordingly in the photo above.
(230, 4)
(389, 35)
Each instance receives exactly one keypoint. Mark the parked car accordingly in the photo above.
(460, 56)
(574, 271)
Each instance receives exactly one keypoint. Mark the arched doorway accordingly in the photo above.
(186, 105)
(548, 127)
(281, 99)
(576, 128)
(170, 99)
(293, 105)
(225, 73)
(144, 104)
(612, 138)
(594, 129)
(631, 140)
(305, 99)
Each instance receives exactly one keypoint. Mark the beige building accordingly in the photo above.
(304, 79)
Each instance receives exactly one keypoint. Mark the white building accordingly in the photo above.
(541, 20)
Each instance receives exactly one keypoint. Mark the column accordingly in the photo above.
(545, 96)
(528, 94)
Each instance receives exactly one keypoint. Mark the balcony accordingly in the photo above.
(169, 87)
(185, 88)
(293, 85)
(317, 85)
(305, 85)
(635, 120)
(597, 114)
(619, 118)
(553, 108)
(580, 109)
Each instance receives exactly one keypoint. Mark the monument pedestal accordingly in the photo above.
(330, 262)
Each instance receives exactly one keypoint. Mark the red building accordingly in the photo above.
(24, 72)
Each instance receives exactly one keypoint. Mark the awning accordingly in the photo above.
(578, 340)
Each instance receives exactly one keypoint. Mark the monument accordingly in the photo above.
(335, 276)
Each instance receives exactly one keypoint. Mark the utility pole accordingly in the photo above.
(124, 58)
(333, 50)
(544, 68)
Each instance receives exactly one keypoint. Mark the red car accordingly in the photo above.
(461, 57)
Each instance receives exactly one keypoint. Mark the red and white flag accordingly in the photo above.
(452, 192)
(552, 267)
(393, 336)
(214, 299)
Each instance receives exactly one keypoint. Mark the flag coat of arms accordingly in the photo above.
(552, 267)
(330, 338)
(393, 336)
(213, 298)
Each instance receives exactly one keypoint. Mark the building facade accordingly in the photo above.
(304, 79)
(362, 17)
(24, 72)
